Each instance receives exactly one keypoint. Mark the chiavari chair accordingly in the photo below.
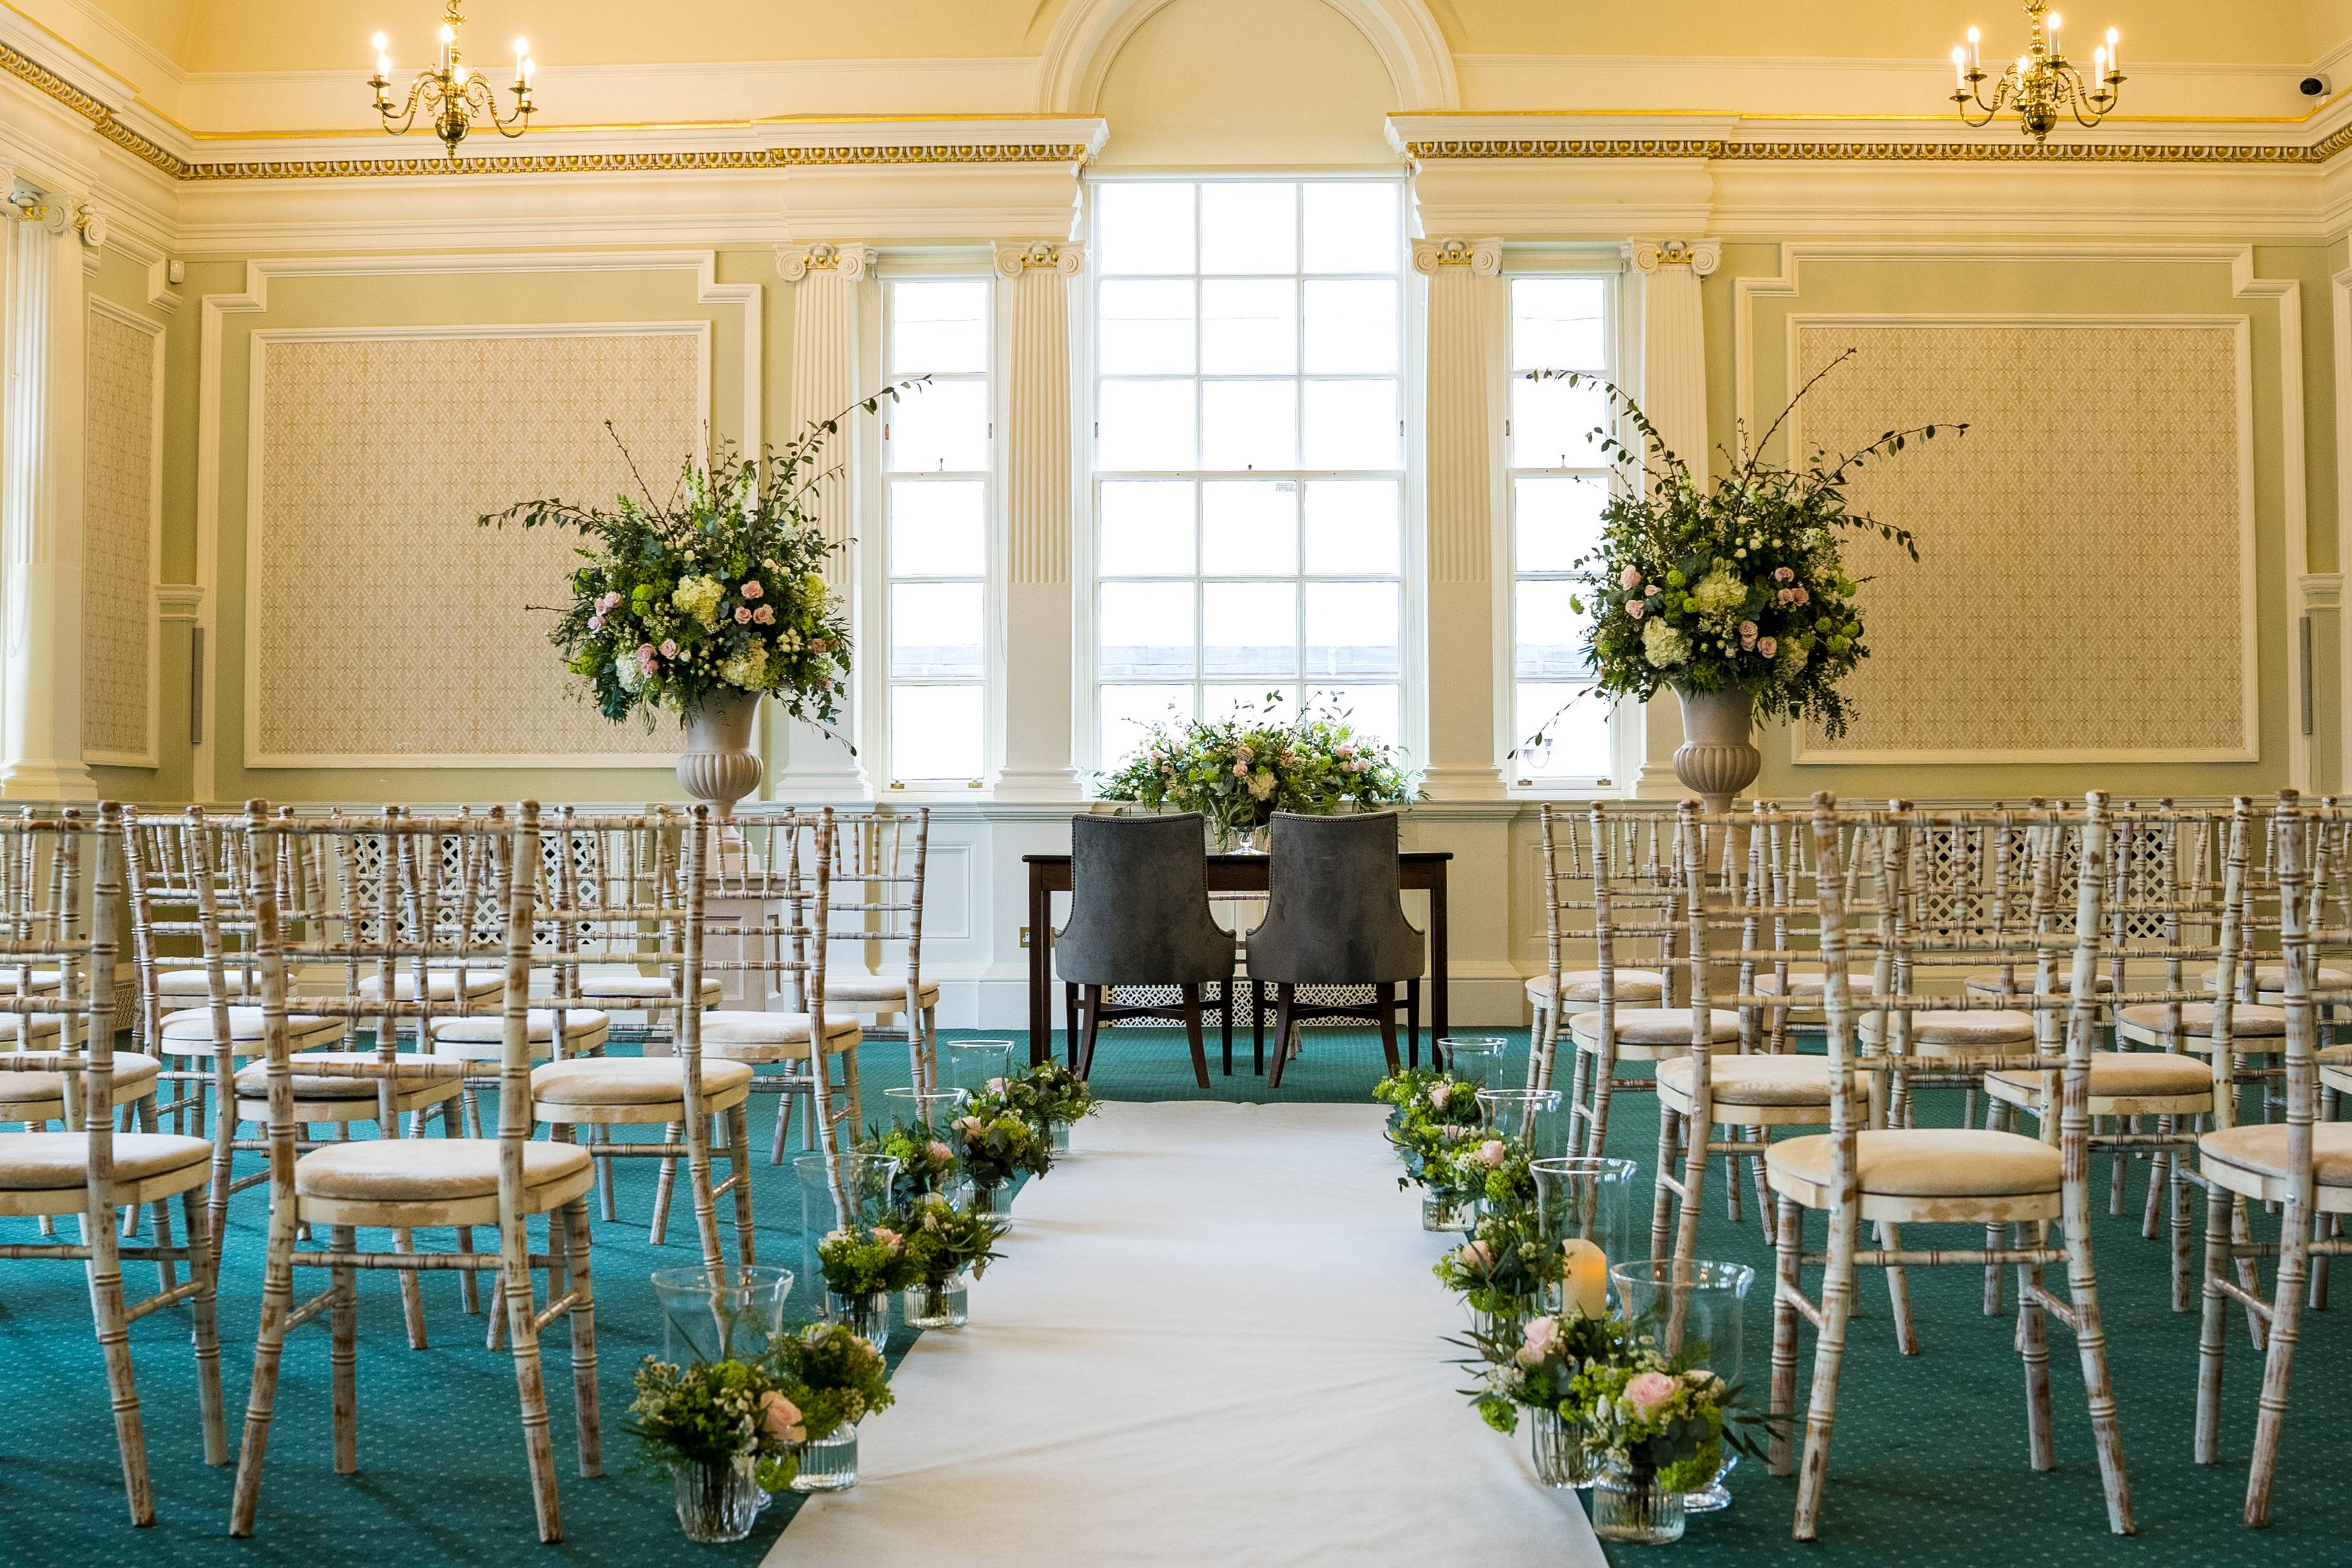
(1896, 1175)
(1545, 991)
(89, 1169)
(405, 1185)
(881, 860)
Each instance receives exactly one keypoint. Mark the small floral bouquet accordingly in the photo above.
(834, 1375)
(717, 1414)
(1664, 1428)
(857, 1264)
(1049, 1095)
(1479, 1169)
(943, 1241)
(998, 1144)
(1429, 1113)
(718, 592)
(1238, 771)
(1505, 1269)
(926, 1161)
(1730, 584)
(1536, 1365)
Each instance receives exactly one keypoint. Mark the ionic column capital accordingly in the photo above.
(1061, 258)
(1482, 258)
(1657, 256)
(798, 262)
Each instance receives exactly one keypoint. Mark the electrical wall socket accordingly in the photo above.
(1025, 936)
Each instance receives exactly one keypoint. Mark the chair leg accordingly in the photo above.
(587, 1417)
(1384, 999)
(111, 1317)
(783, 1126)
(2034, 1345)
(1225, 1022)
(1829, 1357)
(204, 1266)
(343, 1354)
(268, 1349)
(1283, 995)
(412, 1292)
(1072, 1002)
(663, 1186)
(1257, 1028)
(1661, 1196)
(697, 1128)
(1412, 1027)
(739, 1171)
(1091, 1006)
(531, 1387)
(1899, 1292)
(1193, 1035)
(1787, 1254)
(2278, 1365)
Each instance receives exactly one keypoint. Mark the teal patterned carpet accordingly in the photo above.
(1929, 1466)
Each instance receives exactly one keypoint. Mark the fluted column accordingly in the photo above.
(1464, 456)
(41, 422)
(825, 280)
(1674, 394)
(1035, 716)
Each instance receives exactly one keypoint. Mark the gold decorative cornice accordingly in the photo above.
(1710, 147)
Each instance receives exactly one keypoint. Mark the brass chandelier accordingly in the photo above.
(2041, 86)
(451, 92)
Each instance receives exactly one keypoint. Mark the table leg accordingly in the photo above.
(1041, 968)
(1438, 1028)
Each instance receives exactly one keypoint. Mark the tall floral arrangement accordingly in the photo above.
(1735, 582)
(1239, 771)
(716, 591)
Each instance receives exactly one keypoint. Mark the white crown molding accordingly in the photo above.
(1088, 34)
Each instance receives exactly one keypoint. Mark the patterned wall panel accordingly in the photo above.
(2085, 585)
(385, 623)
(118, 501)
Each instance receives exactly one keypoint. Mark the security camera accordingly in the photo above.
(2317, 87)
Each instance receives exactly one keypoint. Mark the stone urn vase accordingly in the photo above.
(1716, 759)
(719, 765)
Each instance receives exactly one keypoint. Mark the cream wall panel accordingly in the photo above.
(2086, 588)
(123, 500)
(385, 627)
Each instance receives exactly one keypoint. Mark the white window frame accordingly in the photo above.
(1625, 741)
(1086, 742)
(871, 552)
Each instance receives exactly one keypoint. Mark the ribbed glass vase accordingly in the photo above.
(944, 1305)
(1630, 1506)
(717, 1502)
(829, 1464)
(1561, 1458)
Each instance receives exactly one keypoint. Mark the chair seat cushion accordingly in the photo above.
(877, 988)
(2128, 1074)
(189, 1032)
(184, 982)
(1929, 1163)
(631, 1081)
(2329, 979)
(2333, 1057)
(610, 984)
(135, 1076)
(1584, 986)
(1755, 1079)
(1962, 1031)
(13, 978)
(1814, 982)
(2248, 1020)
(488, 980)
(772, 1037)
(2258, 1149)
(46, 1162)
(484, 1037)
(2021, 984)
(253, 1080)
(426, 1170)
(13, 1026)
(1658, 1026)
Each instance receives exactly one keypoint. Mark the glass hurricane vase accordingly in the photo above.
(828, 1464)
(1561, 1459)
(1440, 1214)
(718, 1502)
(1630, 1507)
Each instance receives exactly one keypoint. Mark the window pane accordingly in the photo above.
(1351, 326)
(1145, 425)
(1559, 324)
(1352, 527)
(1249, 628)
(1264, 701)
(936, 629)
(1249, 528)
(1352, 227)
(1553, 425)
(1146, 327)
(1249, 227)
(1147, 528)
(1550, 635)
(1127, 712)
(940, 428)
(939, 325)
(1351, 629)
(1147, 629)
(1249, 328)
(1249, 425)
(1144, 228)
(1574, 726)
(1557, 521)
(938, 528)
(1370, 711)
(935, 732)
(1352, 425)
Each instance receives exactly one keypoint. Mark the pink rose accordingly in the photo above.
(765, 616)
(596, 623)
(1747, 634)
(605, 602)
(888, 1238)
(819, 645)
(1492, 1153)
(1475, 1255)
(1240, 770)
(1629, 579)
(1799, 595)
(1437, 1096)
(1768, 647)
(1652, 589)
(1539, 1340)
(1782, 574)
(1649, 1390)
(670, 648)
(742, 617)
(941, 1152)
(752, 590)
(1636, 608)
(996, 1086)
(782, 1418)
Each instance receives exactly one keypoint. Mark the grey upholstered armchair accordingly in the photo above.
(1335, 919)
(1139, 916)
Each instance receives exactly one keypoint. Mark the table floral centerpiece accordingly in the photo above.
(726, 1432)
(1238, 771)
(1732, 589)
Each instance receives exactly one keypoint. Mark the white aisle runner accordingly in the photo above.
(1214, 1340)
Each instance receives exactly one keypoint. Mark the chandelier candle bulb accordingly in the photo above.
(1976, 56)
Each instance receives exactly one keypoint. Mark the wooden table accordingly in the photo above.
(1421, 871)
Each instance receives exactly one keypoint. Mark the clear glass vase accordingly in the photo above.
(720, 1314)
(1560, 1456)
(868, 1315)
(1444, 1214)
(996, 1199)
(829, 1464)
(1475, 1059)
(717, 1502)
(1059, 1135)
(1714, 1496)
(944, 1305)
(857, 1195)
(1630, 1507)
(979, 1067)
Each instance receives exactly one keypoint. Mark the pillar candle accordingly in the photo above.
(1586, 1289)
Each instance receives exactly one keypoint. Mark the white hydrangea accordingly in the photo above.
(747, 669)
(1718, 591)
(698, 597)
(1664, 645)
(631, 675)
